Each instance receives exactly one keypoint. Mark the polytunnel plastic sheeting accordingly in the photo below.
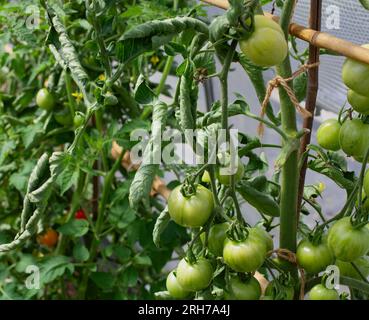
(346, 19)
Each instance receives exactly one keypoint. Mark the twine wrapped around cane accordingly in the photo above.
(291, 257)
(279, 81)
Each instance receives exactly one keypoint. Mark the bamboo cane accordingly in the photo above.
(316, 38)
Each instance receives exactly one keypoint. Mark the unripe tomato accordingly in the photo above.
(328, 135)
(347, 270)
(174, 288)
(216, 237)
(267, 46)
(48, 238)
(196, 276)
(244, 256)
(192, 211)
(346, 242)
(314, 258)
(78, 120)
(320, 292)
(44, 99)
(263, 236)
(243, 290)
(355, 75)
(224, 174)
(353, 140)
(278, 291)
(80, 215)
(358, 102)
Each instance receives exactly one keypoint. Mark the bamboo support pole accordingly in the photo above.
(312, 92)
(316, 38)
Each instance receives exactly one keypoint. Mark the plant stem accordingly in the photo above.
(76, 203)
(68, 86)
(289, 175)
(166, 71)
(100, 222)
(223, 77)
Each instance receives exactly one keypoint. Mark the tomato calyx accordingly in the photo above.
(237, 232)
(188, 189)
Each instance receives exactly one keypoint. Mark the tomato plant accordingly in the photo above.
(101, 108)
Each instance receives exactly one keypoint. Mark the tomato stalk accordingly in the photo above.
(290, 172)
(68, 86)
(100, 221)
(166, 71)
(76, 203)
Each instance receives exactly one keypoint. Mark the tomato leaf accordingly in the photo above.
(160, 225)
(54, 267)
(80, 252)
(74, 228)
(365, 4)
(103, 280)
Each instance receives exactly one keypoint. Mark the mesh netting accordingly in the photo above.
(353, 26)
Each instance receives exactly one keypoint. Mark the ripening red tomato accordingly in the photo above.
(48, 238)
(80, 215)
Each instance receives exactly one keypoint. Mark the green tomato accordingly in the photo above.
(243, 290)
(44, 99)
(355, 75)
(174, 288)
(196, 276)
(314, 258)
(224, 174)
(78, 120)
(346, 242)
(347, 270)
(353, 140)
(328, 135)
(358, 102)
(263, 236)
(192, 211)
(267, 46)
(216, 237)
(63, 117)
(244, 256)
(278, 291)
(320, 292)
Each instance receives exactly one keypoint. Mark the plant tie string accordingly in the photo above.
(291, 257)
(279, 81)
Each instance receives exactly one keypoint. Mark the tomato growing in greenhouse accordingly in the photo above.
(320, 292)
(120, 120)
(192, 210)
(267, 45)
(44, 99)
(328, 135)
(194, 276)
